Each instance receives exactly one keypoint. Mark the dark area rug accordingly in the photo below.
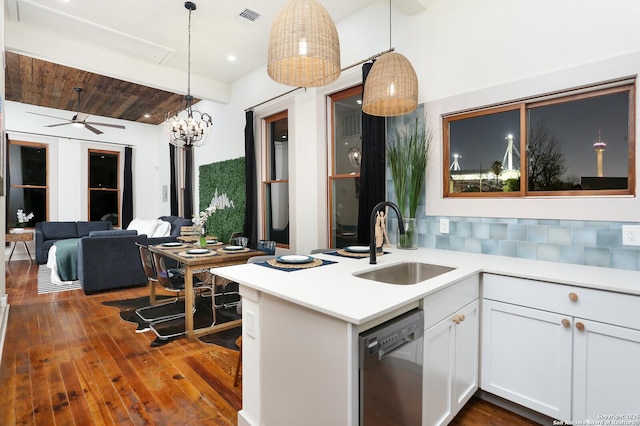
(202, 318)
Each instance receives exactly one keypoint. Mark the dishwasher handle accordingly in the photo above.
(386, 351)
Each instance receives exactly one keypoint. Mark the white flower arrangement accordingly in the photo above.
(23, 218)
(200, 219)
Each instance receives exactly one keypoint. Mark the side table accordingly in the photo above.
(15, 239)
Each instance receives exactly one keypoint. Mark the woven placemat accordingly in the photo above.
(186, 254)
(163, 247)
(244, 250)
(312, 264)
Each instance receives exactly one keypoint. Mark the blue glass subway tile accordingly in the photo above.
(559, 235)
(517, 232)
(528, 221)
(597, 256)
(461, 229)
(584, 237)
(549, 252)
(537, 234)
(480, 230)
(625, 259)
(498, 231)
(611, 238)
(526, 250)
(507, 248)
(572, 223)
(572, 254)
(428, 241)
(490, 247)
(442, 242)
(550, 222)
(596, 224)
(456, 243)
(473, 245)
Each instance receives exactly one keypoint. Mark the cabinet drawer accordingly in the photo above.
(599, 305)
(441, 304)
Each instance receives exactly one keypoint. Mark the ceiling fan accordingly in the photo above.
(80, 118)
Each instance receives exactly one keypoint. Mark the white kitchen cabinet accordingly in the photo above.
(451, 348)
(568, 352)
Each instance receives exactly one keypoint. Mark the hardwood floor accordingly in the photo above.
(68, 359)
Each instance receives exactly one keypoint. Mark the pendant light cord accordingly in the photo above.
(389, 24)
(189, 58)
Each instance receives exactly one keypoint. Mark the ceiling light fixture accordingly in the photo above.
(183, 128)
(391, 87)
(304, 48)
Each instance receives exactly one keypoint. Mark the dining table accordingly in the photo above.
(194, 260)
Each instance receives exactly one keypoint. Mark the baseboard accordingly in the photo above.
(515, 408)
(4, 321)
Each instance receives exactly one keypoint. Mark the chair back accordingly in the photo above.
(147, 262)
(256, 259)
(163, 276)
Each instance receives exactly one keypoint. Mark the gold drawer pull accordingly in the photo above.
(566, 323)
(580, 326)
(573, 297)
(462, 317)
(456, 319)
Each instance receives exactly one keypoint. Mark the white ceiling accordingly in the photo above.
(155, 31)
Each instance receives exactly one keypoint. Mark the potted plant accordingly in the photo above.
(408, 153)
(23, 219)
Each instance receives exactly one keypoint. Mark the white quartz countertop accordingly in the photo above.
(333, 290)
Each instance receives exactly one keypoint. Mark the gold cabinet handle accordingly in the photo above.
(573, 297)
(456, 319)
(566, 323)
(580, 326)
(462, 317)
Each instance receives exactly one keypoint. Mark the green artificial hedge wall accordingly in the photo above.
(228, 179)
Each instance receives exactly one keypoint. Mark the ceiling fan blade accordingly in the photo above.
(93, 129)
(50, 116)
(115, 126)
(56, 125)
(80, 117)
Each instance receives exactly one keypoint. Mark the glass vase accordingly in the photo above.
(409, 241)
(202, 241)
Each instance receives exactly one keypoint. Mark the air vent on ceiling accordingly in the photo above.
(248, 15)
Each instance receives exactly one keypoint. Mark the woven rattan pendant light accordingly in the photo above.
(391, 87)
(304, 49)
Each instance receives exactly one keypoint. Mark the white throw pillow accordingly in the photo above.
(144, 226)
(163, 229)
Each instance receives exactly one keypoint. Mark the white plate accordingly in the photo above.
(294, 258)
(212, 241)
(171, 244)
(357, 249)
(233, 248)
(197, 251)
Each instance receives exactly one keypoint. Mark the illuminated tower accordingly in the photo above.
(507, 160)
(599, 147)
(455, 166)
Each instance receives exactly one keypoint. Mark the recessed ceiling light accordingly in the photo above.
(231, 58)
(359, 101)
(147, 115)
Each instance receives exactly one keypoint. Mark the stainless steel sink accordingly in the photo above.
(405, 273)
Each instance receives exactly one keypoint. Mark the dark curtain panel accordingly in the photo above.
(251, 208)
(127, 191)
(372, 167)
(7, 184)
(188, 182)
(173, 195)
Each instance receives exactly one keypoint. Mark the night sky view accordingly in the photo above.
(482, 140)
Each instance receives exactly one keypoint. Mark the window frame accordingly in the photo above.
(46, 187)
(118, 188)
(266, 180)
(524, 105)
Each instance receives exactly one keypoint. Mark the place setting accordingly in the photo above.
(197, 252)
(294, 262)
(357, 252)
(233, 249)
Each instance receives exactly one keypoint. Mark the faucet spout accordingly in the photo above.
(372, 241)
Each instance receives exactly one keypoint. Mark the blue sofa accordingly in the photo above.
(48, 233)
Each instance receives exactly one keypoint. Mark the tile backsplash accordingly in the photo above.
(594, 243)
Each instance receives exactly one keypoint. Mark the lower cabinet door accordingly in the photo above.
(437, 392)
(467, 354)
(526, 357)
(606, 372)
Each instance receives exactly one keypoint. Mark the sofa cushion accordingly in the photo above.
(59, 230)
(178, 224)
(150, 227)
(84, 228)
(162, 230)
(113, 233)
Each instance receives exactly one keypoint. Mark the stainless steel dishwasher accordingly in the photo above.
(390, 369)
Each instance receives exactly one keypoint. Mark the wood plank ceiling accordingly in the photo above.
(36, 82)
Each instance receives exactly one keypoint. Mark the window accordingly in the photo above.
(104, 190)
(576, 143)
(276, 180)
(344, 175)
(28, 180)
